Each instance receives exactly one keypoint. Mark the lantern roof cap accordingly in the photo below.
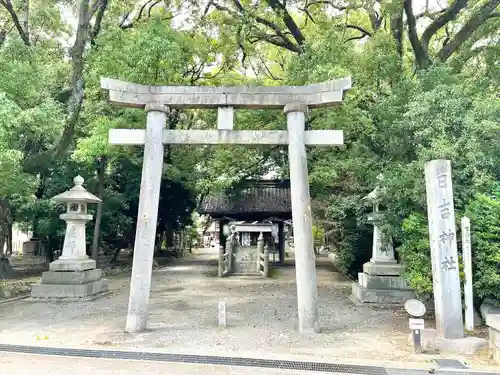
(77, 194)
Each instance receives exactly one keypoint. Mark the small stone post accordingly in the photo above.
(443, 243)
(305, 263)
(222, 314)
(260, 249)
(147, 216)
(229, 249)
(221, 261)
(266, 260)
(467, 259)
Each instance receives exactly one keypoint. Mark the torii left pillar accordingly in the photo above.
(305, 263)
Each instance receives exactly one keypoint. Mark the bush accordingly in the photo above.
(353, 251)
(484, 213)
(318, 236)
(415, 254)
(351, 236)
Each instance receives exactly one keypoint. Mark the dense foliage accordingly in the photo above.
(425, 86)
(484, 212)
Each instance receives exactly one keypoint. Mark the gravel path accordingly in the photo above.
(262, 314)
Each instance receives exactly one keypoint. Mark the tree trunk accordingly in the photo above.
(9, 237)
(98, 217)
(84, 34)
(170, 238)
(24, 17)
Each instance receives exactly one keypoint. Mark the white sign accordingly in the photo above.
(416, 323)
(467, 258)
(415, 308)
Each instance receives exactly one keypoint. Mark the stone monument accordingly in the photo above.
(449, 332)
(444, 254)
(74, 274)
(157, 102)
(381, 280)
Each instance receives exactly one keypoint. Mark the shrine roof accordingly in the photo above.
(266, 197)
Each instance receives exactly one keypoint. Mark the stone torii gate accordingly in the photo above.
(156, 101)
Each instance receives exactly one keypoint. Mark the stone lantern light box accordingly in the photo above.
(74, 274)
(77, 197)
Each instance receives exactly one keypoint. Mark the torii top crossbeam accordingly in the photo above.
(128, 94)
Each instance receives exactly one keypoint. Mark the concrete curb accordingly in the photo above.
(13, 299)
(354, 366)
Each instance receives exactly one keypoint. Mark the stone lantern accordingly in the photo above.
(74, 274)
(381, 281)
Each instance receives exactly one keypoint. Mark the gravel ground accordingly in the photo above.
(262, 314)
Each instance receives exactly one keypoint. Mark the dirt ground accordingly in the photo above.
(262, 315)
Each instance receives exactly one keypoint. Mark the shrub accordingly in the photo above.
(415, 254)
(484, 213)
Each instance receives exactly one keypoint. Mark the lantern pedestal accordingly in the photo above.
(74, 274)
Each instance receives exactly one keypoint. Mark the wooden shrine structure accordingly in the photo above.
(255, 201)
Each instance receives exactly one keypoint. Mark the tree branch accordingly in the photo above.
(448, 15)
(421, 56)
(430, 15)
(289, 22)
(359, 28)
(75, 101)
(397, 31)
(129, 25)
(152, 6)
(275, 40)
(24, 18)
(355, 38)
(375, 20)
(3, 35)
(278, 39)
(93, 9)
(98, 21)
(468, 29)
(7, 4)
(267, 71)
(325, 2)
(464, 58)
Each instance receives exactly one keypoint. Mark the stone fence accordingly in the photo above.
(491, 315)
(243, 260)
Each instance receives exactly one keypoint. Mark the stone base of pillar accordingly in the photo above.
(467, 345)
(73, 265)
(28, 261)
(70, 279)
(383, 268)
(70, 291)
(381, 283)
